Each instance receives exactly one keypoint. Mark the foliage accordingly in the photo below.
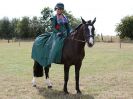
(35, 27)
(14, 23)
(23, 27)
(125, 27)
(47, 13)
(74, 22)
(5, 30)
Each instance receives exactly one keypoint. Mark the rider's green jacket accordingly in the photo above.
(47, 47)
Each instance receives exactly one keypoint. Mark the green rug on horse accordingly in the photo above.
(47, 48)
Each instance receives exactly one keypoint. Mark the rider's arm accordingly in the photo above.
(54, 25)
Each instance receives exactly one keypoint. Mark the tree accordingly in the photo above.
(74, 22)
(1, 36)
(33, 26)
(5, 28)
(14, 23)
(24, 28)
(125, 27)
(36, 27)
(47, 13)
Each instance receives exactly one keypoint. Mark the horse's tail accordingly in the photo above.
(37, 69)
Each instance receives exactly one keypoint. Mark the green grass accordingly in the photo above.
(106, 73)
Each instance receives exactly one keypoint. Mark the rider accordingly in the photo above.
(47, 47)
(60, 21)
(61, 28)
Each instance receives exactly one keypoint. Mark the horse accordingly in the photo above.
(72, 54)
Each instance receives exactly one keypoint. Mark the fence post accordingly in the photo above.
(120, 43)
(102, 37)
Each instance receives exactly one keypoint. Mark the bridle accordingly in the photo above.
(83, 41)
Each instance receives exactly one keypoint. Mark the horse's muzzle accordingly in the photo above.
(90, 45)
(90, 42)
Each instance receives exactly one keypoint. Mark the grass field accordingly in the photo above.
(106, 73)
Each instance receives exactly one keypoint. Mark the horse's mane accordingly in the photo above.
(72, 33)
(78, 27)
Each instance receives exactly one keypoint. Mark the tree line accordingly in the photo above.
(26, 27)
(124, 29)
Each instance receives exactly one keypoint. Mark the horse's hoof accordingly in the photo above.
(79, 92)
(49, 87)
(66, 92)
(48, 83)
(33, 85)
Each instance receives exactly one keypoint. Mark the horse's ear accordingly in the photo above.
(83, 21)
(94, 20)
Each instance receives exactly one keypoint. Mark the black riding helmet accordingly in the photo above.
(59, 6)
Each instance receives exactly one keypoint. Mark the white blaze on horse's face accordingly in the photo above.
(91, 40)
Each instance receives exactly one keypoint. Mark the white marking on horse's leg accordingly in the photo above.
(33, 82)
(48, 83)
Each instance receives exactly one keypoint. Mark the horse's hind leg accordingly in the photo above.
(48, 82)
(37, 72)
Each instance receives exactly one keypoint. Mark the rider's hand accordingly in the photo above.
(60, 34)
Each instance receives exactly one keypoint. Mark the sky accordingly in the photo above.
(107, 12)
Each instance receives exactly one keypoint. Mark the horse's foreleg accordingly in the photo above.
(66, 77)
(77, 72)
(48, 82)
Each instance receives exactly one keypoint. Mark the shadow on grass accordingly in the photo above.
(55, 94)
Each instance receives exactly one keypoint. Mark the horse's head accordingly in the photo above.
(88, 30)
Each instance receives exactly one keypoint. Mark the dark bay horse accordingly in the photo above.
(73, 53)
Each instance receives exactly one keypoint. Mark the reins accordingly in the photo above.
(79, 40)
